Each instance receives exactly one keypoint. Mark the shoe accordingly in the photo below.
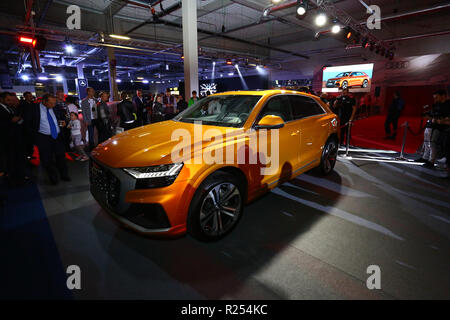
(82, 159)
(428, 165)
(442, 160)
(66, 178)
(420, 160)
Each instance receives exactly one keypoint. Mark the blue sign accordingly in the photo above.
(82, 84)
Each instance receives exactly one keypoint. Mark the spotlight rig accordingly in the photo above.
(353, 32)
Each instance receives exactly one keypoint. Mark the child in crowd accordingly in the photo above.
(75, 127)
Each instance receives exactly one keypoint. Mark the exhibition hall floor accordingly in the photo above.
(312, 238)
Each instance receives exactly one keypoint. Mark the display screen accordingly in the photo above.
(357, 78)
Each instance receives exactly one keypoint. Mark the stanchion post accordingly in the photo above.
(401, 157)
(348, 138)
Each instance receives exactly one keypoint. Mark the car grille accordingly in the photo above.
(104, 184)
(331, 83)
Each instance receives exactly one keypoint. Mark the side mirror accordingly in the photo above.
(270, 122)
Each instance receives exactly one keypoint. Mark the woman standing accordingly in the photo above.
(104, 118)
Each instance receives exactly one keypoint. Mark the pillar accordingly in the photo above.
(190, 47)
(112, 63)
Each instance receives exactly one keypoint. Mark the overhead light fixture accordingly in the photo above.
(301, 10)
(321, 19)
(116, 36)
(99, 80)
(365, 42)
(167, 67)
(336, 28)
(229, 62)
(231, 74)
(69, 48)
(59, 78)
(182, 57)
(276, 1)
(118, 80)
(27, 40)
(145, 81)
(25, 77)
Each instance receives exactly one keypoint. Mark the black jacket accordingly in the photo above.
(139, 105)
(125, 110)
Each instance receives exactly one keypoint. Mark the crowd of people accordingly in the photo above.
(58, 124)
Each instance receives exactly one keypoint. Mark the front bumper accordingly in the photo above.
(143, 210)
(333, 84)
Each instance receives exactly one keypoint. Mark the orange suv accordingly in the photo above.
(349, 79)
(196, 172)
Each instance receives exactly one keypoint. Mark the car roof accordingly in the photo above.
(264, 92)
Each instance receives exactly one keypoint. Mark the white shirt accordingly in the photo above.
(93, 105)
(44, 126)
(75, 127)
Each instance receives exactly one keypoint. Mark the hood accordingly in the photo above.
(152, 144)
(334, 79)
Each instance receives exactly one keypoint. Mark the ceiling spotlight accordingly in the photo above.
(336, 28)
(365, 42)
(145, 81)
(25, 77)
(229, 62)
(182, 57)
(167, 67)
(69, 48)
(43, 78)
(100, 80)
(321, 19)
(118, 80)
(59, 78)
(301, 10)
(276, 1)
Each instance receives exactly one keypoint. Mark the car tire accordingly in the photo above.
(365, 84)
(344, 85)
(329, 156)
(209, 210)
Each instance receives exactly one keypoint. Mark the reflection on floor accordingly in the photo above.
(311, 238)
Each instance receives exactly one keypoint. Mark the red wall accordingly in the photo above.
(415, 98)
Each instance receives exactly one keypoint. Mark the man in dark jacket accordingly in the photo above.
(141, 111)
(394, 111)
(126, 113)
(46, 124)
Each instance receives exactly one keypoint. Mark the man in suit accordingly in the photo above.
(46, 126)
(125, 111)
(89, 110)
(141, 111)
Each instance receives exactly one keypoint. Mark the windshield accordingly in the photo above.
(226, 110)
(343, 74)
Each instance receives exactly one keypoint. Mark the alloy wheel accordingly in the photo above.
(220, 209)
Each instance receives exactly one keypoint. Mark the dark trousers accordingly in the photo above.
(391, 119)
(104, 131)
(52, 155)
(91, 129)
(344, 130)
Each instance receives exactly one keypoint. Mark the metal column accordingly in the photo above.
(190, 47)
(112, 63)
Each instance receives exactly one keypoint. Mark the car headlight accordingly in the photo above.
(155, 176)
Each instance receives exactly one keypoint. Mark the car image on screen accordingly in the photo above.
(349, 79)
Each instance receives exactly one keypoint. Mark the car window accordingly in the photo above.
(221, 110)
(304, 107)
(277, 106)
